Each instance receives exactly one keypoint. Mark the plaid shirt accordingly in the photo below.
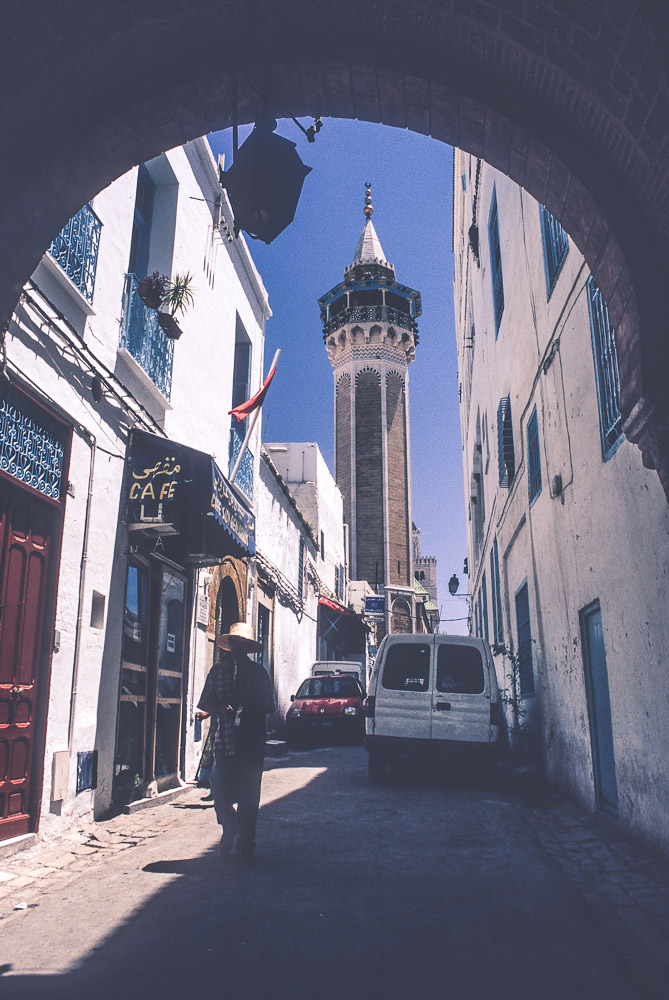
(244, 685)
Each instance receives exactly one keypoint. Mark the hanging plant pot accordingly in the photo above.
(151, 290)
(169, 325)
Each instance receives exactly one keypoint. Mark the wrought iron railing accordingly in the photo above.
(369, 314)
(144, 339)
(76, 250)
(244, 478)
(606, 369)
(32, 448)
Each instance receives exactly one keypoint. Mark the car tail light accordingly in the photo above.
(496, 717)
(368, 706)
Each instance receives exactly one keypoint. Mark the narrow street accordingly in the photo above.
(418, 887)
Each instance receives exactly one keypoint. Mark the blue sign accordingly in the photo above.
(375, 605)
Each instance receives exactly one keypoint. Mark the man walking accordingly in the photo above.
(238, 694)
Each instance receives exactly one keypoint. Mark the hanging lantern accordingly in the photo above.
(264, 183)
(453, 585)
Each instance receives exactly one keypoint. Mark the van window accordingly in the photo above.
(407, 667)
(459, 669)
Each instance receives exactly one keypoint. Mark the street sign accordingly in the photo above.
(375, 605)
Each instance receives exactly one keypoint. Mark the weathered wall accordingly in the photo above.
(39, 357)
(604, 536)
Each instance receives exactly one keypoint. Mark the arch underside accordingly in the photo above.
(573, 106)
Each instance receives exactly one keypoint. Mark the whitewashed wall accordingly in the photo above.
(605, 537)
(226, 283)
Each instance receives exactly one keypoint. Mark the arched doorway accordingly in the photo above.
(227, 607)
(573, 106)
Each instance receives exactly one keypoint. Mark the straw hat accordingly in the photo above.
(239, 631)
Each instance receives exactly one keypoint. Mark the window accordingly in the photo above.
(141, 225)
(322, 545)
(497, 629)
(524, 631)
(407, 667)
(505, 450)
(556, 245)
(300, 570)
(459, 669)
(484, 604)
(607, 376)
(495, 262)
(533, 457)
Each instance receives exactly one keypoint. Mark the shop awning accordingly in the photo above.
(180, 495)
(331, 605)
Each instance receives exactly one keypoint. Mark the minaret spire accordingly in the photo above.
(369, 249)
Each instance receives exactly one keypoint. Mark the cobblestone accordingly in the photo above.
(626, 888)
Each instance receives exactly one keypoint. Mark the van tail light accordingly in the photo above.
(368, 706)
(496, 718)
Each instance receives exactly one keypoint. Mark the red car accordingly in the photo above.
(326, 706)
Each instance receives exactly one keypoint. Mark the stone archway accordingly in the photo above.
(573, 105)
(227, 595)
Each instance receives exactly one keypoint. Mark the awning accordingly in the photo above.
(339, 609)
(179, 495)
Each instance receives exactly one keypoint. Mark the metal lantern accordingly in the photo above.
(453, 585)
(264, 183)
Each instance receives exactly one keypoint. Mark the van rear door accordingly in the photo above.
(404, 690)
(461, 695)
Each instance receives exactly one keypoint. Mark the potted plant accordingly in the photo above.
(152, 289)
(177, 297)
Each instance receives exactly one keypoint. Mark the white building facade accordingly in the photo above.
(124, 547)
(302, 567)
(568, 548)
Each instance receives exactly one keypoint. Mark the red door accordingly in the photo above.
(24, 554)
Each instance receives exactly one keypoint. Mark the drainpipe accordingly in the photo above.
(82, 587)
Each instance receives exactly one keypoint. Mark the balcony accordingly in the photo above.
(75, 249)
(244, 478)
(369, 314)
(144, 340)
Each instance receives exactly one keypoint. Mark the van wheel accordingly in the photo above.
(377, 767)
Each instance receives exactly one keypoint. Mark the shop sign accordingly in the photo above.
(375, 605)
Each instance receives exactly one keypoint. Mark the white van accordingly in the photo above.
(320, 667)
(431, 693)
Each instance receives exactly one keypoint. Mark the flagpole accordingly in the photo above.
(252, 422)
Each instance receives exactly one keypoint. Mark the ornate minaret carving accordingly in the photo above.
(369, 329)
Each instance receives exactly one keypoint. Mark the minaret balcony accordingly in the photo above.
(369, 314)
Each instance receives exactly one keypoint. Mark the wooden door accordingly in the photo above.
(599, 709)
(25, 542)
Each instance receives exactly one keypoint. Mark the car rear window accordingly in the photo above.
(407, 667)
(459, 669)
(329, 687)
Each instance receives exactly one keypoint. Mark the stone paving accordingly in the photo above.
(626, 888)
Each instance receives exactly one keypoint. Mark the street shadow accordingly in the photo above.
(358, 890)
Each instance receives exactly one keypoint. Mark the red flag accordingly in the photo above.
(242, 411)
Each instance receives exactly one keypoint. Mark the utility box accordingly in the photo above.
(60, 775)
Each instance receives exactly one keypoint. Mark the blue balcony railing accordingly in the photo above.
(144, 339)
(76, 250)
(244, 477)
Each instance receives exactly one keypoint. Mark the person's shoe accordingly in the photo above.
(226, 843)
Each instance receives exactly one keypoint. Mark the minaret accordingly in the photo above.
(369, 329)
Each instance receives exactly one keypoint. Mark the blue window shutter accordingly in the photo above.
(533, 457)
(300, 571)
(484, 599)
(505, 450)
(495, 262)
(607, 376)
(524, 630)
(495, 595)
(556, 245)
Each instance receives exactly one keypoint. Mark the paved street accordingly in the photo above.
(429, 887)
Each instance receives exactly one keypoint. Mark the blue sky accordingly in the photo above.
(411, 183)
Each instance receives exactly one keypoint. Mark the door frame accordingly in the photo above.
(594, 727)
(57, 509)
